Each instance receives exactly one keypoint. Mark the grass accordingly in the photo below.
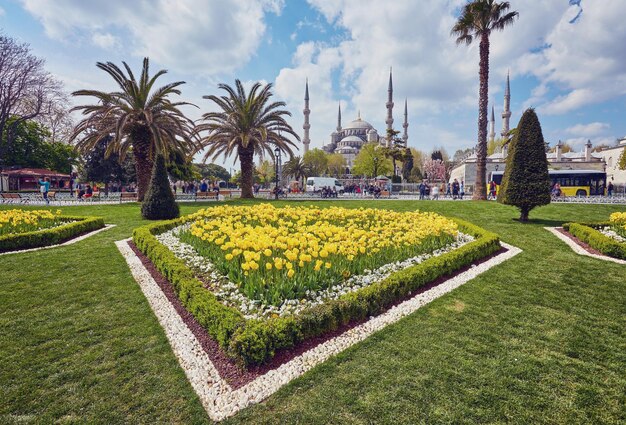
(539, 339)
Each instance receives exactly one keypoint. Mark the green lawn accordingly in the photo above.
(539, 339)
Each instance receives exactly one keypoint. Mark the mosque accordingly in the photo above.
(349, 139)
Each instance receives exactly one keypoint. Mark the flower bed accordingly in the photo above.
(25, 229)
(607, 237)
(419, 248)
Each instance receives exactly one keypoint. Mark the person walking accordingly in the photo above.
(422, 189)
(44, 188)
(609, 190)
(462, 189)
(435, 192)
(455, 189)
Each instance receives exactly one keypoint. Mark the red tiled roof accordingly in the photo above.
(34, 172)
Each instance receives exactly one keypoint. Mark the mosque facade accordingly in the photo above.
(349, 139)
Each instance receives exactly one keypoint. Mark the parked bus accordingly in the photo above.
(315, 184)
(572, 182)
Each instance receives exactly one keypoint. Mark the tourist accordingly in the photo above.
(44, 187)
(455, 189)
(609, 190)
(204, 187)
(462, 189)
(88, 191)
(422, 189)
(435, 192)
(449, 190)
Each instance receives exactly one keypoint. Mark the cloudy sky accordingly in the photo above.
(566, 58)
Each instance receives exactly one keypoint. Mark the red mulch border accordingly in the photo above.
(580, 243)
(228, 370)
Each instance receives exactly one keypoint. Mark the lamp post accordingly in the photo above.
(276, 162)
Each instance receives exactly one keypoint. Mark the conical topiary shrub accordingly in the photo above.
(526, 183)
(159, 202)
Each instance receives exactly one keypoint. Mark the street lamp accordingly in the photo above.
(276, 162)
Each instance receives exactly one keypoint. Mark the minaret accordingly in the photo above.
(506, 114)
(405, 136)
(339, 118)
(492, 126)
(389, 120)
(307, 112)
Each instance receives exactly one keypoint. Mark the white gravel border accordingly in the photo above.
(217, 397)
(70, 242)
(579, 249)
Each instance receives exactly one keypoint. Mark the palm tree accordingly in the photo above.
(296, 167)
(246, 125)
(478, 19)
(140, 119)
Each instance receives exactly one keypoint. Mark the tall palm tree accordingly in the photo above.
(296, 167)
(140, 119)
(478, 19)
(247, 124)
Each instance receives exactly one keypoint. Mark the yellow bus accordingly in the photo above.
(572, 182)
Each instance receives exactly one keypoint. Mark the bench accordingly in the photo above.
(128, 196)
(11, 198)
(205, 195)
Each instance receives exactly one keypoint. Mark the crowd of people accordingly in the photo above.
(454, 190)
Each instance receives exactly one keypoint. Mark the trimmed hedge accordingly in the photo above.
(588, 233)
(53, 236)
(252, 342)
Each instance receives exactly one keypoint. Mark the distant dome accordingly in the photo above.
(358, 124)
(346, 150)
(352, 139)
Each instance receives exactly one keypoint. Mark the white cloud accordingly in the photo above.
(585, 58)
(194, 36)
(589, 130)
(2, 12)
(106, 41)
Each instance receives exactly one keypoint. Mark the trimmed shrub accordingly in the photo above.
(252, 342)
(588, 233)
(56, 235)
(526, 183)
(159, 203)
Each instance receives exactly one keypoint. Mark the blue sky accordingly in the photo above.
(566, 58)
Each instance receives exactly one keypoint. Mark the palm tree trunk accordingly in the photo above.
(480, 189)
(246, 159)
(144, 160)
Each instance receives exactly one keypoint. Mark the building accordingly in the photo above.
(611, 157)
(28, 179)
(349, 139)
(606, 160)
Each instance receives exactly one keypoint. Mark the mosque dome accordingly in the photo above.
(348, 139)
(358, 124)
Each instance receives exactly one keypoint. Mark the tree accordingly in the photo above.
(435, 170)
(415, 176)
(100, 168)
(213, 172)
(622, 160)
(27, 90)
(418, 159)
(336, 164)
(526, 183)
(159, 202)
(316, 162)
(296, 168)
(407, 164)
(138, 117)
(436, 155)
(495, 145)
(478, 19)
(246, 125)
(31, 148)
(600, 147)
(565, 148)
(266, 172)
(371, 161)
(180, 167)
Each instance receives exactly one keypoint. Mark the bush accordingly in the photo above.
(588, 233)
(159, 202)
(56, 235)
(526, 183)
(252, 342)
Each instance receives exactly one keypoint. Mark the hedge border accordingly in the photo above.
(52, 236)
(253, 342)
(589, 234)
